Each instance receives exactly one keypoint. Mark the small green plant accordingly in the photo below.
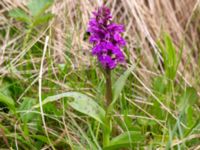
(170, 60)
(166, 91)
(35, 16)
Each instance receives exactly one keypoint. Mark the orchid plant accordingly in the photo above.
(107, 42)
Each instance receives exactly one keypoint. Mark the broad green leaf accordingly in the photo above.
(41, 138)
(4, 88)
(7, 100)
(179, 57)
(190, 116)
(62, 66)
(81, 103)
(126, 140)
(20, 15)
(159, 85)
(171, 51)
(43, 19)
(89, 107)
(120, 83)
(188, 98)
(25, 106)
(171, 57)
(193, 128)
(38, 7)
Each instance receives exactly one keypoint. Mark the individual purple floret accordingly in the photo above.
(106, 38)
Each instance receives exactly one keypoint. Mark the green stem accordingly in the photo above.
(106, 131)
(107, 124)
(108, 88)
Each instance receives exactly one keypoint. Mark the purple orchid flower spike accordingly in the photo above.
(106, 38)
